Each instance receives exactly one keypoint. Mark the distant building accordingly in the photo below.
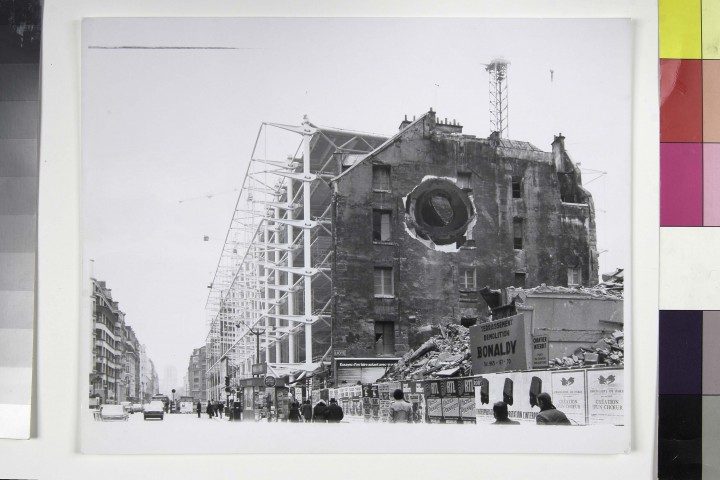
(121, 370)
(107, 378)
(132, 365)
(169, 381)
(197, 365)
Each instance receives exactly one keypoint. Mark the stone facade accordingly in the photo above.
(423, 222)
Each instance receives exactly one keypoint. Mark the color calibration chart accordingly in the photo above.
(689, 331)
(19, 133)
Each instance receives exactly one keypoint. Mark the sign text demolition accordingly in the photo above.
(496, 349)
(500, 345)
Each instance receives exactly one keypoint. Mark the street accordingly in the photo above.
(180, 422)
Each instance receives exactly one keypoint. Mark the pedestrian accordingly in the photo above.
(209, 409)
(294, 415)
(334, 412)
(306, 411)
(500, 412)
(549, 415)
(220, 408)
(400, 410)
(199, 409)
(320, 412)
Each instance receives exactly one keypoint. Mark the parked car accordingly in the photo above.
(155, 409)
(110, 413)
(136, 407)
(127, 406)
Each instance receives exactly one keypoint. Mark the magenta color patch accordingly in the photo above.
(681, 185)
(711, 184)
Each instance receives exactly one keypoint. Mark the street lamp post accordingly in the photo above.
(257, 334)
(174, 405)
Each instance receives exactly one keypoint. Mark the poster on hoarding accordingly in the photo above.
(540, 351)
(467, 408)
(606, 390)
(518, 390)
(451, 408)
(499, 346)
(568, 394)
(434, 408)
(384, 391)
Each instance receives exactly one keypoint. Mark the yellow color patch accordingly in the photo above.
(680, 34)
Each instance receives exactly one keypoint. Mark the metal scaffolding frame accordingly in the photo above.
(271, 296)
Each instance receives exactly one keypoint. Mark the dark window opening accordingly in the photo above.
(382, 227)
(381, 178)
(384, 338)
(516, 188)
(518, 233)
(519, 280)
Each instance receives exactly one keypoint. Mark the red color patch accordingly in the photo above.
(681, 91)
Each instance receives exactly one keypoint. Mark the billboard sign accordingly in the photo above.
(540, 351)
(499, 346)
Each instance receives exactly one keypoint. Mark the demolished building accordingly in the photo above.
(356, 244)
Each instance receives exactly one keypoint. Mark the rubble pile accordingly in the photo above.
(442, 355)
(608, 351)
(448, 354)
(610, 290)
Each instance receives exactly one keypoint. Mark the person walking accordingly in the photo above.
(209, 409)
(400, 410)
(334, 412)
(500, 412)
(306, 411)
(220, 408)
(549, 415)
(320, 412)
(294, 415)
(199, 409)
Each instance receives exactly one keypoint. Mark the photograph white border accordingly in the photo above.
(55, 447)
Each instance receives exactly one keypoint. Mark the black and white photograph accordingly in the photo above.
(413, 228)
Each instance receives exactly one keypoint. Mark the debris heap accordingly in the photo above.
(608, 351)
(447, 354)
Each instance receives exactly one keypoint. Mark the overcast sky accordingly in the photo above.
(167, 133)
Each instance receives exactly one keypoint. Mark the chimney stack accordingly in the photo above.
(558, 152)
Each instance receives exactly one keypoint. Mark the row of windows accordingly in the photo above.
(385, 287)
(103, 335)
(467, 280)
(382, 228)
(381, 180)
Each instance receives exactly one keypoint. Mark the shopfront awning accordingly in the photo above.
(298, 371)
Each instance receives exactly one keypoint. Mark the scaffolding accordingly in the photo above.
(271, 297)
